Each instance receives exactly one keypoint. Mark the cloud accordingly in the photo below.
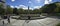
(12, 6)
(38, 1)
(23, 6)
(29, 2)
(30, 8)
(48, 1)
(12, 0)
(20, 6)
(37, 7)
(17, 7)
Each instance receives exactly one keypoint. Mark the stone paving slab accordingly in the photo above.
(39, 22)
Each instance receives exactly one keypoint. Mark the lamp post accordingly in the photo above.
(28, 9)
(28, 14)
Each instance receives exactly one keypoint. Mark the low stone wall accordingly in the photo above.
(32, 15)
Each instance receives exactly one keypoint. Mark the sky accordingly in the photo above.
(31, 3)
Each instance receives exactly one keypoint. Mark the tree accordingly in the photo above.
(20, 11)
(57, 9)
(31, 11)
(25, 11)
(15, 11)
(49, 8)
(36, 11)
(2, 11)
(9, 10)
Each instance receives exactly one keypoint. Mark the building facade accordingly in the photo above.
(3, 2)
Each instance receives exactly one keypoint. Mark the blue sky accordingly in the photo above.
(32, 3)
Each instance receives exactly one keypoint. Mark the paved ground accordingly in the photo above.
(39, 22)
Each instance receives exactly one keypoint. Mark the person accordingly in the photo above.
(3, 22)
(5, 17)
(29, 17)
(8, 18)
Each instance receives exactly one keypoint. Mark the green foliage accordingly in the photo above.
(15, 11)
(51, 8)
(25, 11)
(9, 10)
(48, 8)
(57, 9)
(20, 10)
(58, 24)
(36, 11)
(2, 11)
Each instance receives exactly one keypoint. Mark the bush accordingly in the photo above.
(57, 14)
(58, 24)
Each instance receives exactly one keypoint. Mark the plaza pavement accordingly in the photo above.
(38, 22)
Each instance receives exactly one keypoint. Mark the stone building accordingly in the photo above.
(4, 3)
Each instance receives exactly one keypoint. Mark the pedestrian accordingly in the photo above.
(29, 17)
(8, 18)
(4, 17)
(3, 22)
